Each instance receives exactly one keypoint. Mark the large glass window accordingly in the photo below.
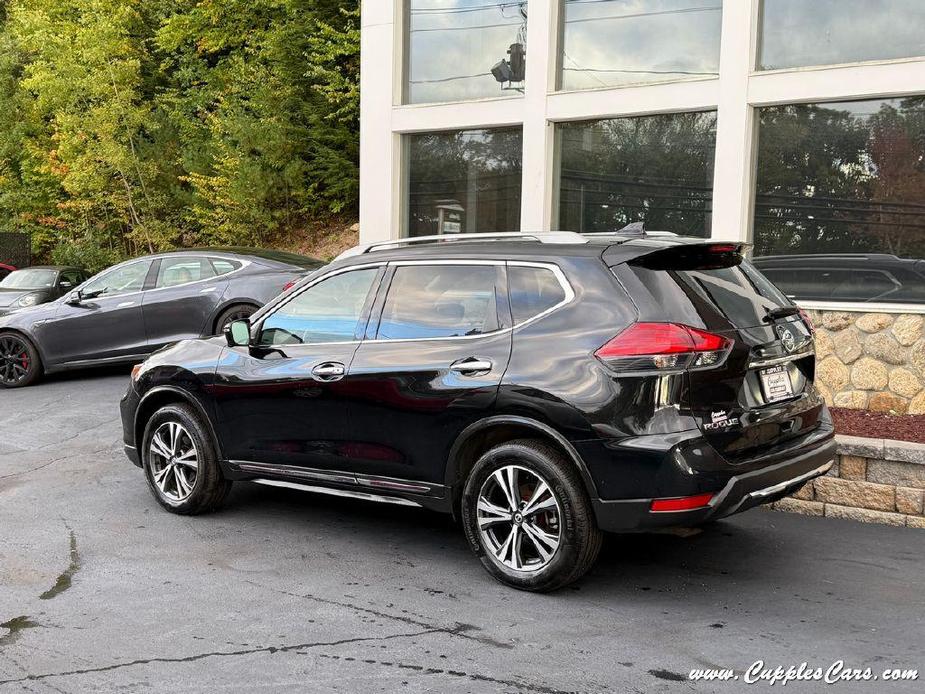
(795, 33)
(464, 49)
(652, 169)
(427, 301)
(463, 182)
(612, 43)
(840, 200)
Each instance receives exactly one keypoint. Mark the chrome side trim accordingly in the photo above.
(338, 492)
(394, 486)
(337, 477)
(766, 491)
(762, 363)
(301, 473)
(552, 267)
(774, 489)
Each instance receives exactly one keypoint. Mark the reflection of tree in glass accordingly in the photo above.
(480, 170)
(653, 169)
(842, 178)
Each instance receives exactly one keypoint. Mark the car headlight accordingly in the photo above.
(27, 300)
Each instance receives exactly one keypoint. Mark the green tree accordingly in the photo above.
(128, 126)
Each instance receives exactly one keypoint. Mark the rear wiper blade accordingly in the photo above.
(774, 314)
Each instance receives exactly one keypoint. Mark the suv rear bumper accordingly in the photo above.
(741, 491)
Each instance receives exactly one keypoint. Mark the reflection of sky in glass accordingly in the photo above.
(610, 43)
(825, 32)
(453, 45)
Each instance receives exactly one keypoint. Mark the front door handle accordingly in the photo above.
(329, 371)
(471, 366)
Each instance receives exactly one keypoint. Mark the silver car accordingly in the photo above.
(132, 309)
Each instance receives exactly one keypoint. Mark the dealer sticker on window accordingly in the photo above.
(776, 384)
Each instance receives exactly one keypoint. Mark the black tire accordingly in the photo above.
(20, 363)
(210, 487)
(233, 313)
(579, 538)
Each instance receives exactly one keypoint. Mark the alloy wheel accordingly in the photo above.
(15, 361)
(519, 518)
(174, 461)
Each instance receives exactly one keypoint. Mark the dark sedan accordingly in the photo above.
(5, 270)
(132, 309)
(37, 285)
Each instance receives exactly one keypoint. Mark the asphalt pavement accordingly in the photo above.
(282, 591)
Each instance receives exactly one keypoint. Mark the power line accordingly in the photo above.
(462, 10)
(450, 79)
(514, 22)
(637, 15)
(647, 72)
(686, 10)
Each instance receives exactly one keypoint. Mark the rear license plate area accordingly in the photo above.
(776, 384)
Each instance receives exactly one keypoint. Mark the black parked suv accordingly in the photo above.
(542, 388)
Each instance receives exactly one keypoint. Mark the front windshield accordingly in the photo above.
(29, 279)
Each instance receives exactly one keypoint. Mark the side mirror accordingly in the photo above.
(238, 333)
(75, 298)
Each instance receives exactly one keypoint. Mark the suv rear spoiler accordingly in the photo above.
(683, 255)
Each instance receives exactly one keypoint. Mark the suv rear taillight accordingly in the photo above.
(809, 322)
(664, 347)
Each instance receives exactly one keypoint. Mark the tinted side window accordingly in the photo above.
(176, 271)
(222, 266)
(440, 301)
(325, 312)
(124, 280)
(532, 291)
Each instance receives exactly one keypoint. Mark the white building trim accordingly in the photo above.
(735, 95)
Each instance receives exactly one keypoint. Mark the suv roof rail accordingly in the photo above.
(631, 233)
(542, 237)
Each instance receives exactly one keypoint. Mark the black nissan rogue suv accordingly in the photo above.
(543, 388)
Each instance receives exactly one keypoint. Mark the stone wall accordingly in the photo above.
(872, 361)
(873, 481)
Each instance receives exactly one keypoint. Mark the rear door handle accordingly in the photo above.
(329, 371)
(471, 365)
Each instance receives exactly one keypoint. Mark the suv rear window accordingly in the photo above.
(739, 292)
(427, 301)
(532, 291)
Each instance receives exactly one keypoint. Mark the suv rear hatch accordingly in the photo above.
(762, 394)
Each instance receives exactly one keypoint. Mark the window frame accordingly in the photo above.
(505, 319)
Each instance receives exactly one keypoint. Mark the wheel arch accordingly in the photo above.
(479, 437)
(160, 396)
(19, 332)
